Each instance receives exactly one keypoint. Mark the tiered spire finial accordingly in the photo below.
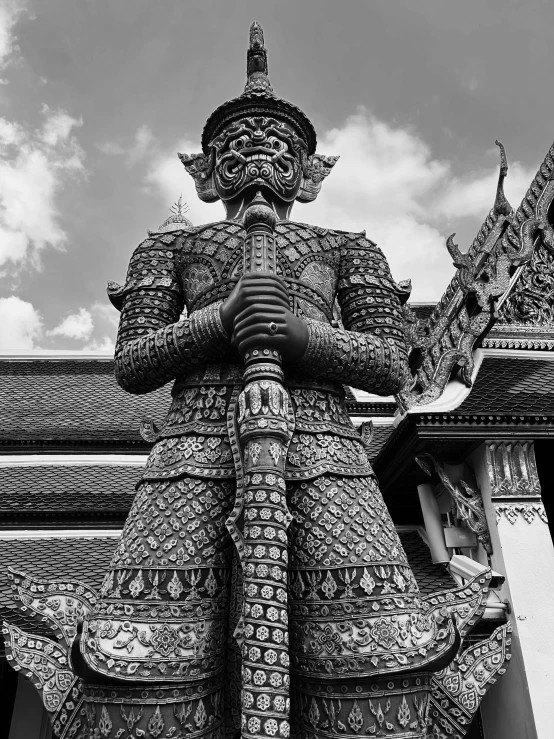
(256, 62)
(177, 219)
(179, 209)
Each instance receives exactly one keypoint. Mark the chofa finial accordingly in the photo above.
(501, 205)
(256, 62)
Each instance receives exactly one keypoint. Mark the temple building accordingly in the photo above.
(463, 455)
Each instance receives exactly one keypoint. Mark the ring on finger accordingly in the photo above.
(272, 327)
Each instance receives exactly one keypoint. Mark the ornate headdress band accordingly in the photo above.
(258, 99)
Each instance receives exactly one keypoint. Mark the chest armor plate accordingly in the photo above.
(211, 262)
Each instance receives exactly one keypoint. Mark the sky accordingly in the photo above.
(97, 98)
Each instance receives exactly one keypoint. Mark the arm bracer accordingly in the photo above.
(154, 344)
(369, 353)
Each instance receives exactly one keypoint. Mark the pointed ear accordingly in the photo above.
(200, 169)
(315, 170)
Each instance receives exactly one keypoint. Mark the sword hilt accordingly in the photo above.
(260, 255)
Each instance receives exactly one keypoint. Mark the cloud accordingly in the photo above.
(105, 313)
(388, 182)
(88, 330)
(95, 327)
(10, 12)
(57, 126)
(21, 326)
(469, 196)
(10, 134)
(111, 148)
(34, 167)
(75, 326)
(106, 321)
(144, 138)
(471, 83)
(143, 142)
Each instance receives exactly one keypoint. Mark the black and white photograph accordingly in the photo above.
(276, 369)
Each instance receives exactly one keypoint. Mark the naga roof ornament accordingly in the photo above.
(258, 98)
(444, 343)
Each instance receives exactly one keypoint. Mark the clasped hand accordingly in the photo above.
(256, 314)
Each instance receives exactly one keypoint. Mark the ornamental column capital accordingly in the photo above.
(515, 485)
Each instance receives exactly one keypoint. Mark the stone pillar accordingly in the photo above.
(520, 706)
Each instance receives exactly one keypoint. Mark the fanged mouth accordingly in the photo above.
(259, 166)
(257, 154)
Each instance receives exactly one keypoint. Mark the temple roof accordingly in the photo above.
(73, 401)
(501, 296)
(61, 489)
(512, 396)
(381, 433)
(422, 310)
(430, 577)
(511, 386)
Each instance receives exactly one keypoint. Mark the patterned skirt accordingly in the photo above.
(172, 599)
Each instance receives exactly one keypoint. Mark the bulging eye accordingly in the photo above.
(237, 144)
(277, 144)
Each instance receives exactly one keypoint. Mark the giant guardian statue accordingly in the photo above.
(259, 587)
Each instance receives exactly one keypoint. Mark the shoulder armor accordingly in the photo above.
(283, 226)
(151, 265)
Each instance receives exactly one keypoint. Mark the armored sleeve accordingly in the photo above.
(370, 352)
(154, 344)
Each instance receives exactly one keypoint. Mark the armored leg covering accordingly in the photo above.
(383, 706)
(152, 651)
(363, 642)
(193, 709)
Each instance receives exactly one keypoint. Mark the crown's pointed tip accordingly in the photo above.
(257, 79)
(256, 36)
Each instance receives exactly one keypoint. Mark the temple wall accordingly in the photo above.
(29, 719)
(520, 705)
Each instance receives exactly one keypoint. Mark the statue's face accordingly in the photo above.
(258, 152)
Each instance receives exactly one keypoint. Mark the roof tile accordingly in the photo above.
(72, 488)
(48, 400)
(81, 559)
(430, 577)
(381, 433)
(512, 387)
